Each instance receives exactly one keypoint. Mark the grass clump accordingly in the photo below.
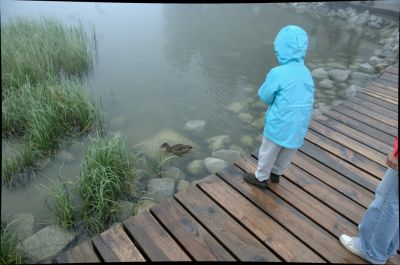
(34, 49)
(9, 252)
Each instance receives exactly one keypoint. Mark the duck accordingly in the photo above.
(177, 149)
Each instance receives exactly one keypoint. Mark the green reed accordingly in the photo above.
(9, 252)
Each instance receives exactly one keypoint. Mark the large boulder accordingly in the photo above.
(214, 165)
(326, 83)
(151, 146)
(161, 188)
(218, 142)
(22, 225)
(47, 242)
(319, 73)
(196, 167)
(229, 156)
(338, 75)
(195, 126)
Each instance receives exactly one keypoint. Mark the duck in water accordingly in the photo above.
(177, 149)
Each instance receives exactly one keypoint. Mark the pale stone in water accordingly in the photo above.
(319, 73)
(363, 18)
(245, 117)
(237, 106)
(196, 167)
(366, 68)
(182, 185)
(246, 140)
(173, 173)
(161, 188)
(237, 148)
(229, 156)
(375, 60)
(360, 76)
(214, 165)
(195, 125)
(326, 83)
(339, 75)
(47, 242)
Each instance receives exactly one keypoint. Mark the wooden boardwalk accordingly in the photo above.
(322, 195)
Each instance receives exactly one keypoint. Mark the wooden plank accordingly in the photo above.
(82, 253)
(374, 107)
(200, 245)
(368, 112)
(367, 120)
(319, 239)
(379, 85)
(342, 167)
(114, 245)
(390, 77)
(349, 142)
(346, 154)
(377, 88)
(153, 239)
(392, 69)
(316, 210)
(386, 82)
(380, 96)
(378, 101)
(357, 135)
(228, 231)
(334, 180)
(359, 126)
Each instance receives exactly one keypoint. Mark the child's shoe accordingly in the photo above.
(274, 178)
(251, 179)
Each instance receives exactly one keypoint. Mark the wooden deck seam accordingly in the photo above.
(134, 241)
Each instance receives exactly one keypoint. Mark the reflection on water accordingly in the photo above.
(161, 65)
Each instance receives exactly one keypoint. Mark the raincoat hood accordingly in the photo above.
(291, 44)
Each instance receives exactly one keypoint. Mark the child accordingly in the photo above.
(289, 91)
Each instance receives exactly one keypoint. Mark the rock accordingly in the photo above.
(237, 106)
(173, 173)
(353, 19)
(259, 123)
(237, 148)
(22, 225)
(125, 210)
(246, 141)
(218, 142)
(319, 73)
(352, 90)
(161, 188)
(229, 156)
(337, 102)
(214, 165)
(194, 182)
(381, 66)
(245, 117)
(338, 75)
(144, 205)
(342, 14)
(182, 185)
(358, 76)
(366, 68)
(374, 61)
(47, 242)
(195, 126)
(196, 167)
(363, 18)
(259, 105)
(326, 83)
(65, 156)
(151, 146)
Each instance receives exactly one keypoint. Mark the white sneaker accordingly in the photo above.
(350, 244)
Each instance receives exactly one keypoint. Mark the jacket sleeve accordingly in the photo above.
(268, 89)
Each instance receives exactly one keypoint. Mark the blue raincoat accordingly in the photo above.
(288, 90)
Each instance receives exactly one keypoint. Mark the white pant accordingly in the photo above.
(273, 157)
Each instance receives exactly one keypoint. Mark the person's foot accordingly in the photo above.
(274, 178)
(251, 179)
(352, 245)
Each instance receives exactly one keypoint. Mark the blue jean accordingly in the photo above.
(379, 228)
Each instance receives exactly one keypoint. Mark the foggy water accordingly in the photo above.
(161, 65)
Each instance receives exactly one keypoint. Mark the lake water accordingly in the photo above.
(161, 65)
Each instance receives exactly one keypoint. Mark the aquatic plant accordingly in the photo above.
(9, 252)
(107, 175)
(42, 115)
(34, 49)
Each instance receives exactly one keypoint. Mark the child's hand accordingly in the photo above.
(392, 162)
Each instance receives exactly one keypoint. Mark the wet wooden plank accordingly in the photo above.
(367, 120)
(349, 142)
(374, 107)
(282, 211)
(390, 77)
(380, 96)
(387, 91)
(386, 82)
(392, 69)
(368, 112)
(82, 253)
(334, 179)
(304, 202)
(357, 135)
(346, 154)
(344, 168)
(359, 126)
(114, 245)
(191, 234)
(228, 231)
(153, 239)
(378, 101)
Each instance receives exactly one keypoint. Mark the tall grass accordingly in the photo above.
(43, 101)
(9, 252)
(34, 49)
